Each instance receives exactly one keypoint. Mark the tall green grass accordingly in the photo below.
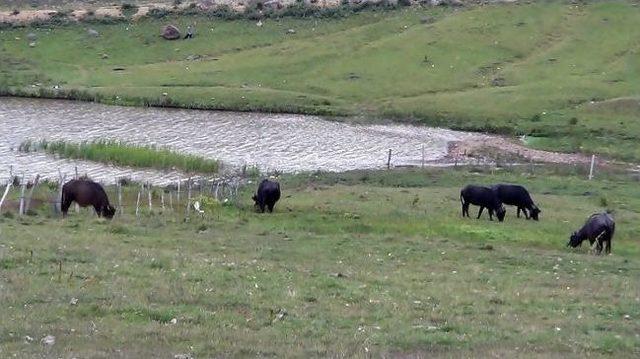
(118, 153)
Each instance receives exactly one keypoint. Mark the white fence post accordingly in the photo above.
(593, 162)
(6, 191)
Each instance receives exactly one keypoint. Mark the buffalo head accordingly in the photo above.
(574, 240)
(535, 211)
(500, 213)
(108, 211)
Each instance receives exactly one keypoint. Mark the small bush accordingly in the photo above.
(604, 203)
(158, 13)
(128, 9)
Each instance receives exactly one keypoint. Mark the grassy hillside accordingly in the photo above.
(349, 265)
(565, 74)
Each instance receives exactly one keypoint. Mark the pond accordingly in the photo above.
(282, 142)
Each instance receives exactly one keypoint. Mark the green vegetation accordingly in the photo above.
(350, 265)
(118, 153)
(66, 4)
(564, 74)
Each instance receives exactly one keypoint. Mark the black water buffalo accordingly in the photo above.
(515, 195)
(483, 197)
(267, 195)
(599, 227)
(86, 193)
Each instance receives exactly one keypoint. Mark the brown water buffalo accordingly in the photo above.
(86, 193)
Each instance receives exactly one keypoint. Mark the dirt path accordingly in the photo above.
(490, 146)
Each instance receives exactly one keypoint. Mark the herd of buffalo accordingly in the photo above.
(599, 227)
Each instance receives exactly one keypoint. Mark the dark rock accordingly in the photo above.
(170, 32)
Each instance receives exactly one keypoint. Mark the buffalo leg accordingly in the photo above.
(607, 248)
(270, 206)
(518, 214)
(97, 209)
(480, 212)
(64, 207)
(526, 213)
(599, 247)
(262, 207)
(490, 214)
(465, 209)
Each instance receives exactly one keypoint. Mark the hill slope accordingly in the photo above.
(567, 74)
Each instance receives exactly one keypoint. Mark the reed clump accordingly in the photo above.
(124, 154)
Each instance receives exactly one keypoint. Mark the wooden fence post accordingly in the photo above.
(178, 194)
(60, 184)
(389, 160)
(149, 194)
(6, 191)
(23, 187)
(120, 209)
(138, 201)
(77, 206)
(33, 187)
(188, 197)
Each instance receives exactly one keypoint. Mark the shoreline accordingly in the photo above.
(478, 147)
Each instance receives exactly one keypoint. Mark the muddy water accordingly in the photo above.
(287, 143)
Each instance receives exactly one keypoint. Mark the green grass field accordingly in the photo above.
(566, 74)
(350, 265)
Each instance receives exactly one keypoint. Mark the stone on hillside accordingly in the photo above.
(32, 44)
(48, 340)
(446, 2)
(427, 20)
(31, 36)
(170, 32)
(92, 33)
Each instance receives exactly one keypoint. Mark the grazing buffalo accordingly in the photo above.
(599, 227)
(483, 197)
(518, 196)
(267, 195)
(86, 193)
